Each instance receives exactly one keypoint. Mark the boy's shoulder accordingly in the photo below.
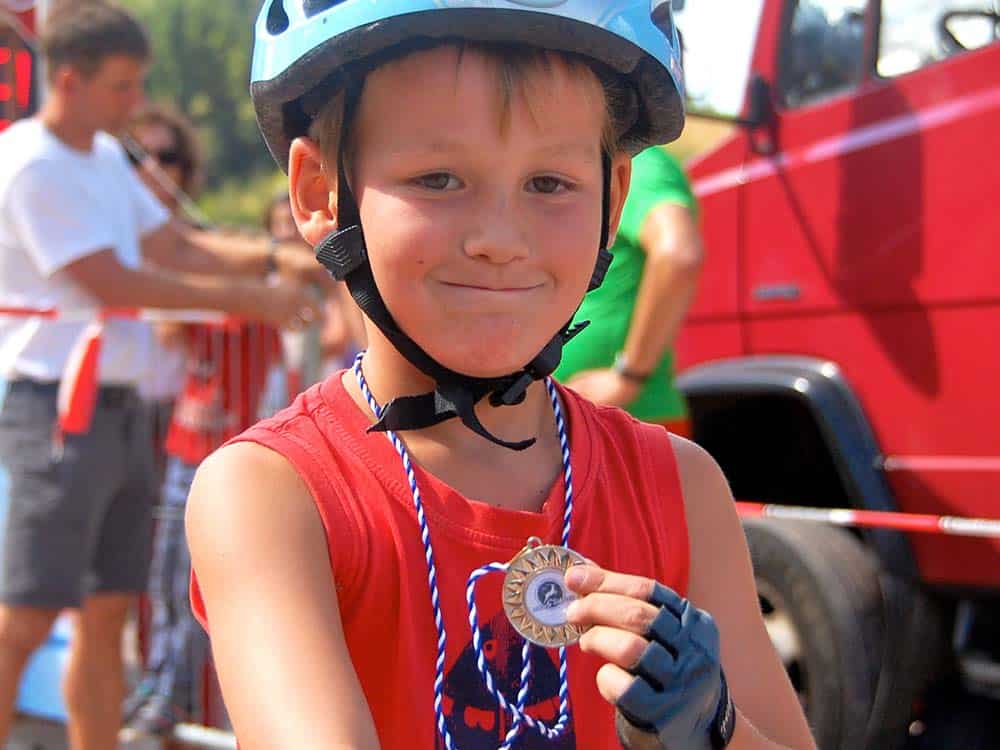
(615, 429)
(317, 408)
(614, 420)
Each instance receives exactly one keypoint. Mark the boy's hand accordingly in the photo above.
(663, 672)
(605, 387)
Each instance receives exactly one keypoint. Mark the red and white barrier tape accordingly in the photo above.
(913, 522)
(86, 316)
(78, 386)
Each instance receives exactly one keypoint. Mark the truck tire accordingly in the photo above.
(916, 654)
(820, 595)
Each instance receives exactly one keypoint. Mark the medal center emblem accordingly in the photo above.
(547, 598)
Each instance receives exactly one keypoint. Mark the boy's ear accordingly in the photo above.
(621, 178)
(313, 193)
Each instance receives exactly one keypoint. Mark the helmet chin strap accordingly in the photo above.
(345, 255)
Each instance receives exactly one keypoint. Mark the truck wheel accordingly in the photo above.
(819, 593)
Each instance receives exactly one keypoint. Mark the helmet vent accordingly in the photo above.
(663, 17)
(312, 7)
(277, 18)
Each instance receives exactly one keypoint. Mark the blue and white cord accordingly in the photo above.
(517, 712)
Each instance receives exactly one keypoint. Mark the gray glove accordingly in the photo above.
(679, 699)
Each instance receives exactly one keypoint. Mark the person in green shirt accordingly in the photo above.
(625, 358)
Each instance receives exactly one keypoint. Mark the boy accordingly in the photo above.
(483, 146)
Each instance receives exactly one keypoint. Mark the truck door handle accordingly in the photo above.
(769, 292)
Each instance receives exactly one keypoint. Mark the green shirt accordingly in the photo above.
(657, 178)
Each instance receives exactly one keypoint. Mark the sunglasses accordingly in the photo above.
(165, 157)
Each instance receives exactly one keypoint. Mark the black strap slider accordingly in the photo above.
(514, 393)
(342, 252)
(604, 258)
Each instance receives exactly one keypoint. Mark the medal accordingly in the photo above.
(535, 596)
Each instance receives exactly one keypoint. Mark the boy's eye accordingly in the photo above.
(439, 181)
(546, 184)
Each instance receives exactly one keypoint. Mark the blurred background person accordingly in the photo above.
(625, 356)
(342, 334)
(168, 160)
(229, 368)
(76, 225)
(169, 156)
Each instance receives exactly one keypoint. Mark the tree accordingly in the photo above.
(201, 67)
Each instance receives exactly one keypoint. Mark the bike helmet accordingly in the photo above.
(304, 47)
(301, 43)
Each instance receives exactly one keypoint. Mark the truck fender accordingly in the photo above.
(821, 388)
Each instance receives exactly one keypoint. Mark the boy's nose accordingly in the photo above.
(496, 236)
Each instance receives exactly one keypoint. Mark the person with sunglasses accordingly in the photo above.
(169, 157)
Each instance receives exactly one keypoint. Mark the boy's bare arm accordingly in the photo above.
(260, 552)
(722, 583)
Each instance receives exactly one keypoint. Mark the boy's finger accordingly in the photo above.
(587, 579)
(614, 646)
(612, 682)
(613, 610)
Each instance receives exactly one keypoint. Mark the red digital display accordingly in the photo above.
(17, 72)
(22, 79)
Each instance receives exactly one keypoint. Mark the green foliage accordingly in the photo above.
(201, 67)
(241, 202)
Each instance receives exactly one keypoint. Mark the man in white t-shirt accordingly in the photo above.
(76, 225)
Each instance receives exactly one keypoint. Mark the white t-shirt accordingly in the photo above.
(58, 205)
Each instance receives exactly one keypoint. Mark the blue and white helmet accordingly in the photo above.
(302, 43)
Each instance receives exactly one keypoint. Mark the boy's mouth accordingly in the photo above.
(491, 288)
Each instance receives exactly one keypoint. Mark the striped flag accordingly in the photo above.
(78, 387)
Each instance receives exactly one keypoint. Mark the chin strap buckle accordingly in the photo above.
(343, 252)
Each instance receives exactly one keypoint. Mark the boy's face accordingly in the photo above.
(482, 237)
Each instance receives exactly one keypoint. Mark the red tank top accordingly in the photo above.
(628, 516)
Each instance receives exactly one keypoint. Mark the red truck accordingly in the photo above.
(843, 349)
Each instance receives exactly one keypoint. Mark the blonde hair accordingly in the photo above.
(513, 65)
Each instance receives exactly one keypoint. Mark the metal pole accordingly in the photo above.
(193, 735)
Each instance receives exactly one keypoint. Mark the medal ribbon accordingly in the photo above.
(517, 712)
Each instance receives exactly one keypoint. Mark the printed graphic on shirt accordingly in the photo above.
(475, 719)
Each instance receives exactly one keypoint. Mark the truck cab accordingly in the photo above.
(841, 350)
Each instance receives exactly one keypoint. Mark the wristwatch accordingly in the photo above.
(724, 723)
(272, 256)
(621, 367)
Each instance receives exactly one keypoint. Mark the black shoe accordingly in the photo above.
(156, 717)
(142, 693)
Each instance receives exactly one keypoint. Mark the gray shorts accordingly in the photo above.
(80, 518)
